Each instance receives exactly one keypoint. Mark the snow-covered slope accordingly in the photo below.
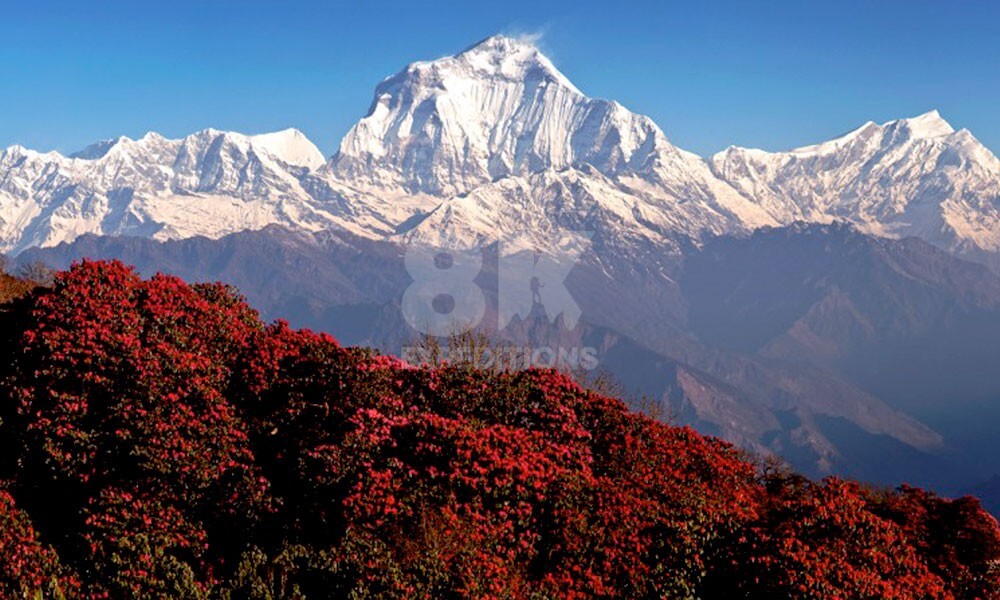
(495, 143)
(498, 109)
(515, 151)
(911, 177)
(210, 183)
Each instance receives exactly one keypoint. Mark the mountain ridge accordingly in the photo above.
(496, 138)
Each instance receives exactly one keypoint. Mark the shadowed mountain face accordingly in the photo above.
(902, 320)
(841, 352)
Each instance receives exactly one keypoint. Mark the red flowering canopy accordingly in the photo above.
(160, 441)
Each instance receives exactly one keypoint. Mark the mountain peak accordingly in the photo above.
(99, 149)
(928, 125)
(509, 57)
(499, 42)
(290, 145)
(501, 45)
(496, 109)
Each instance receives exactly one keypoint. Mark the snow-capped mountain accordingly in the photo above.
(496, 110)
(496, 142)
(512, 147)
(210, 183)
(907, 178)
(516, 150)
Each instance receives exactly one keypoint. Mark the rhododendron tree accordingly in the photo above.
(957, 539)
(822, 540)
(27, 568)
(141, 548)
(159, 440)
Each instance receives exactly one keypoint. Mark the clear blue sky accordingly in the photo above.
(769, 74)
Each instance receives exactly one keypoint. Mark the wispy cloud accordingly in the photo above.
(534, 37)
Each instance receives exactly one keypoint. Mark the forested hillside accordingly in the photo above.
(160, 441)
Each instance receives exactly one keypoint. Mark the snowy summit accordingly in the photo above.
(499, 108)
(496, 140)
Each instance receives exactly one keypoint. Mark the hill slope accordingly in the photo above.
(160, 440)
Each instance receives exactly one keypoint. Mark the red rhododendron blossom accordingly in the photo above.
(160, 441)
